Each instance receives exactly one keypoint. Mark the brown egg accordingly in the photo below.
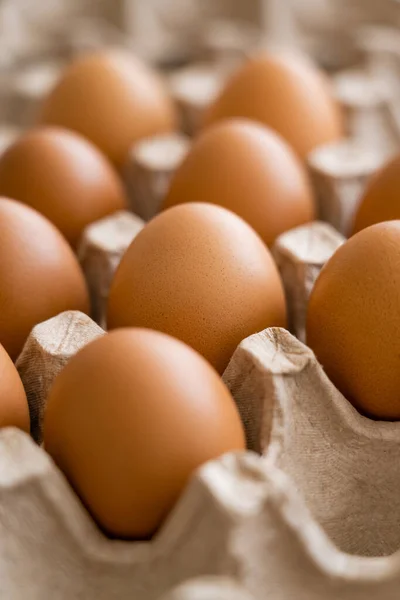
(63, 176)
(249, 169)
(39, 274)
(353, 322)
(380, 201)
(112, 99)
(130, 437)
(287, 93)
(14, 410)
(200, 273)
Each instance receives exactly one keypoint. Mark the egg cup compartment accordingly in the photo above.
(149, 169)
(49, 347)
(366, 104)
(340, 172)
(242, 516)
(300, 255)
(344, 465)
(193, 88)
(100, 251)
(313, 512)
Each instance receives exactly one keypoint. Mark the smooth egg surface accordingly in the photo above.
(250, 170)
(353, 321)
(286, 92)
(201, 274)
(111, 98)
(63, 176)
(380, 201)
(129, 419)
(40, 276)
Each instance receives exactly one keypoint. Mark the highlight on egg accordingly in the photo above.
(353, 320)
(198, 272)
(249, 169)
(40, 276)
(286, 92)
(63, 176)
(130, 437)
(112, 99)
(380, 200)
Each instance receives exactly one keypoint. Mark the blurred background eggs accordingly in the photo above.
(250, 170)
(39, 275)
(200, 273)
(286, 92)
(14, 410)
(381, 199)
(63, 176)
(129, 438)
(353, 321)
(112, 99)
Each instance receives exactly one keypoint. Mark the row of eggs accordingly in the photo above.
(135, 412)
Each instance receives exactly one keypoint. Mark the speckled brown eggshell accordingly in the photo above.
(200, 273)
(130, 437)
(111, 98)
(286, 92)
(14, 410)
(353, 322)
(39, 274)
(63, 176)
(380, 201)
(250, 170)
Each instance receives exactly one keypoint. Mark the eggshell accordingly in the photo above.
(129, 438)
(63, 176)
(14, 410)
(39, 274)
(285, 92)
(111, 98)
(353, 322)
(380, 201)
(252, 171)
(200, 273)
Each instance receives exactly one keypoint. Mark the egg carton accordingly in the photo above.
(266, 519)
(150, 166)
(310, 511)
(209, 588)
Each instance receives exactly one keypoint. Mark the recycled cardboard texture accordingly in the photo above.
(366, 106)
(49, 347)
(228, 42)
(340, 173)
(278, 525)
(193, 89)
(241, 516)
(381, 49)
(151, 164)
(344, 465)
(100, 251)
(380, 46)
(28, 89)
(300, 255)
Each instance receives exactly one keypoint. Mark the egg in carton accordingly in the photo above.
(245, 498)
(310, 511)
(241, 516)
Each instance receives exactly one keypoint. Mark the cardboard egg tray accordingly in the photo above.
(312, 510)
